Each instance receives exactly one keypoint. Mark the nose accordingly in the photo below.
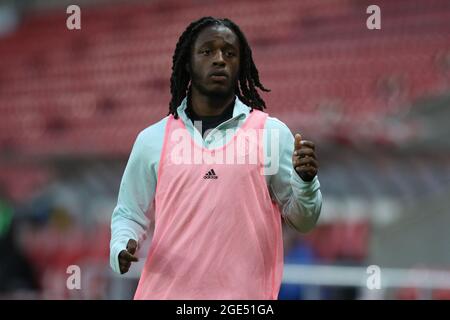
(218, 59)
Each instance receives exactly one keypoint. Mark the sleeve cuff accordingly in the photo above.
(114, 255)
(303, 188)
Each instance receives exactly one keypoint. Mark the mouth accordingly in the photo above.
(219, 76)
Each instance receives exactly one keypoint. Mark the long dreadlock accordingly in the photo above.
(248, 76)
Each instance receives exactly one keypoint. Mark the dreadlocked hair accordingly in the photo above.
(248, 76)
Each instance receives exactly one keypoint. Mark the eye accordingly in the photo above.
(205, 52)
(230, 53)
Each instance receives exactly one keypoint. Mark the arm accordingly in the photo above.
(300, 200)
(130, 220)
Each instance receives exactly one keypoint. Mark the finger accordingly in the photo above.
(306, 152)
(312, 171)
(124, 262)
(304, 170)
(126, 265)
(298, 139)
(124, 269)
(132, 246)
(307, 143)
(128, 256)
(307, 161)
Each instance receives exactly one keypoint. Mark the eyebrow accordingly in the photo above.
(227, 44)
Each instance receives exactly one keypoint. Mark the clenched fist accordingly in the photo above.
(304, 158)
(127, 256)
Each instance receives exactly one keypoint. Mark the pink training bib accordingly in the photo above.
(217, 231)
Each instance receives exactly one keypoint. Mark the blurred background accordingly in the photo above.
(376, 103)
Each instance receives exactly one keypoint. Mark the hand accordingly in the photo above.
(127, 256)
(304, 159)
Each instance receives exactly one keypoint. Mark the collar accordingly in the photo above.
(240, 113)
(240, 110)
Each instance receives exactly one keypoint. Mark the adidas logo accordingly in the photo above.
(210, 175)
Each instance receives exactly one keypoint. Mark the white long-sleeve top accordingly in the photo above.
(300, 202)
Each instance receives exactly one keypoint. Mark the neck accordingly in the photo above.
(205, 106)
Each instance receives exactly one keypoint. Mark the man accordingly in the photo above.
(217, 226)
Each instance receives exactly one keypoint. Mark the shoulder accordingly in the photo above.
(148, 144)
(153, 135)
(273, 123)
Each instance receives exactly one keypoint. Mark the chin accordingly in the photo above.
(220, 92)
(215, 90)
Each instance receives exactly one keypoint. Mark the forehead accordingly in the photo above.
(217, 33)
